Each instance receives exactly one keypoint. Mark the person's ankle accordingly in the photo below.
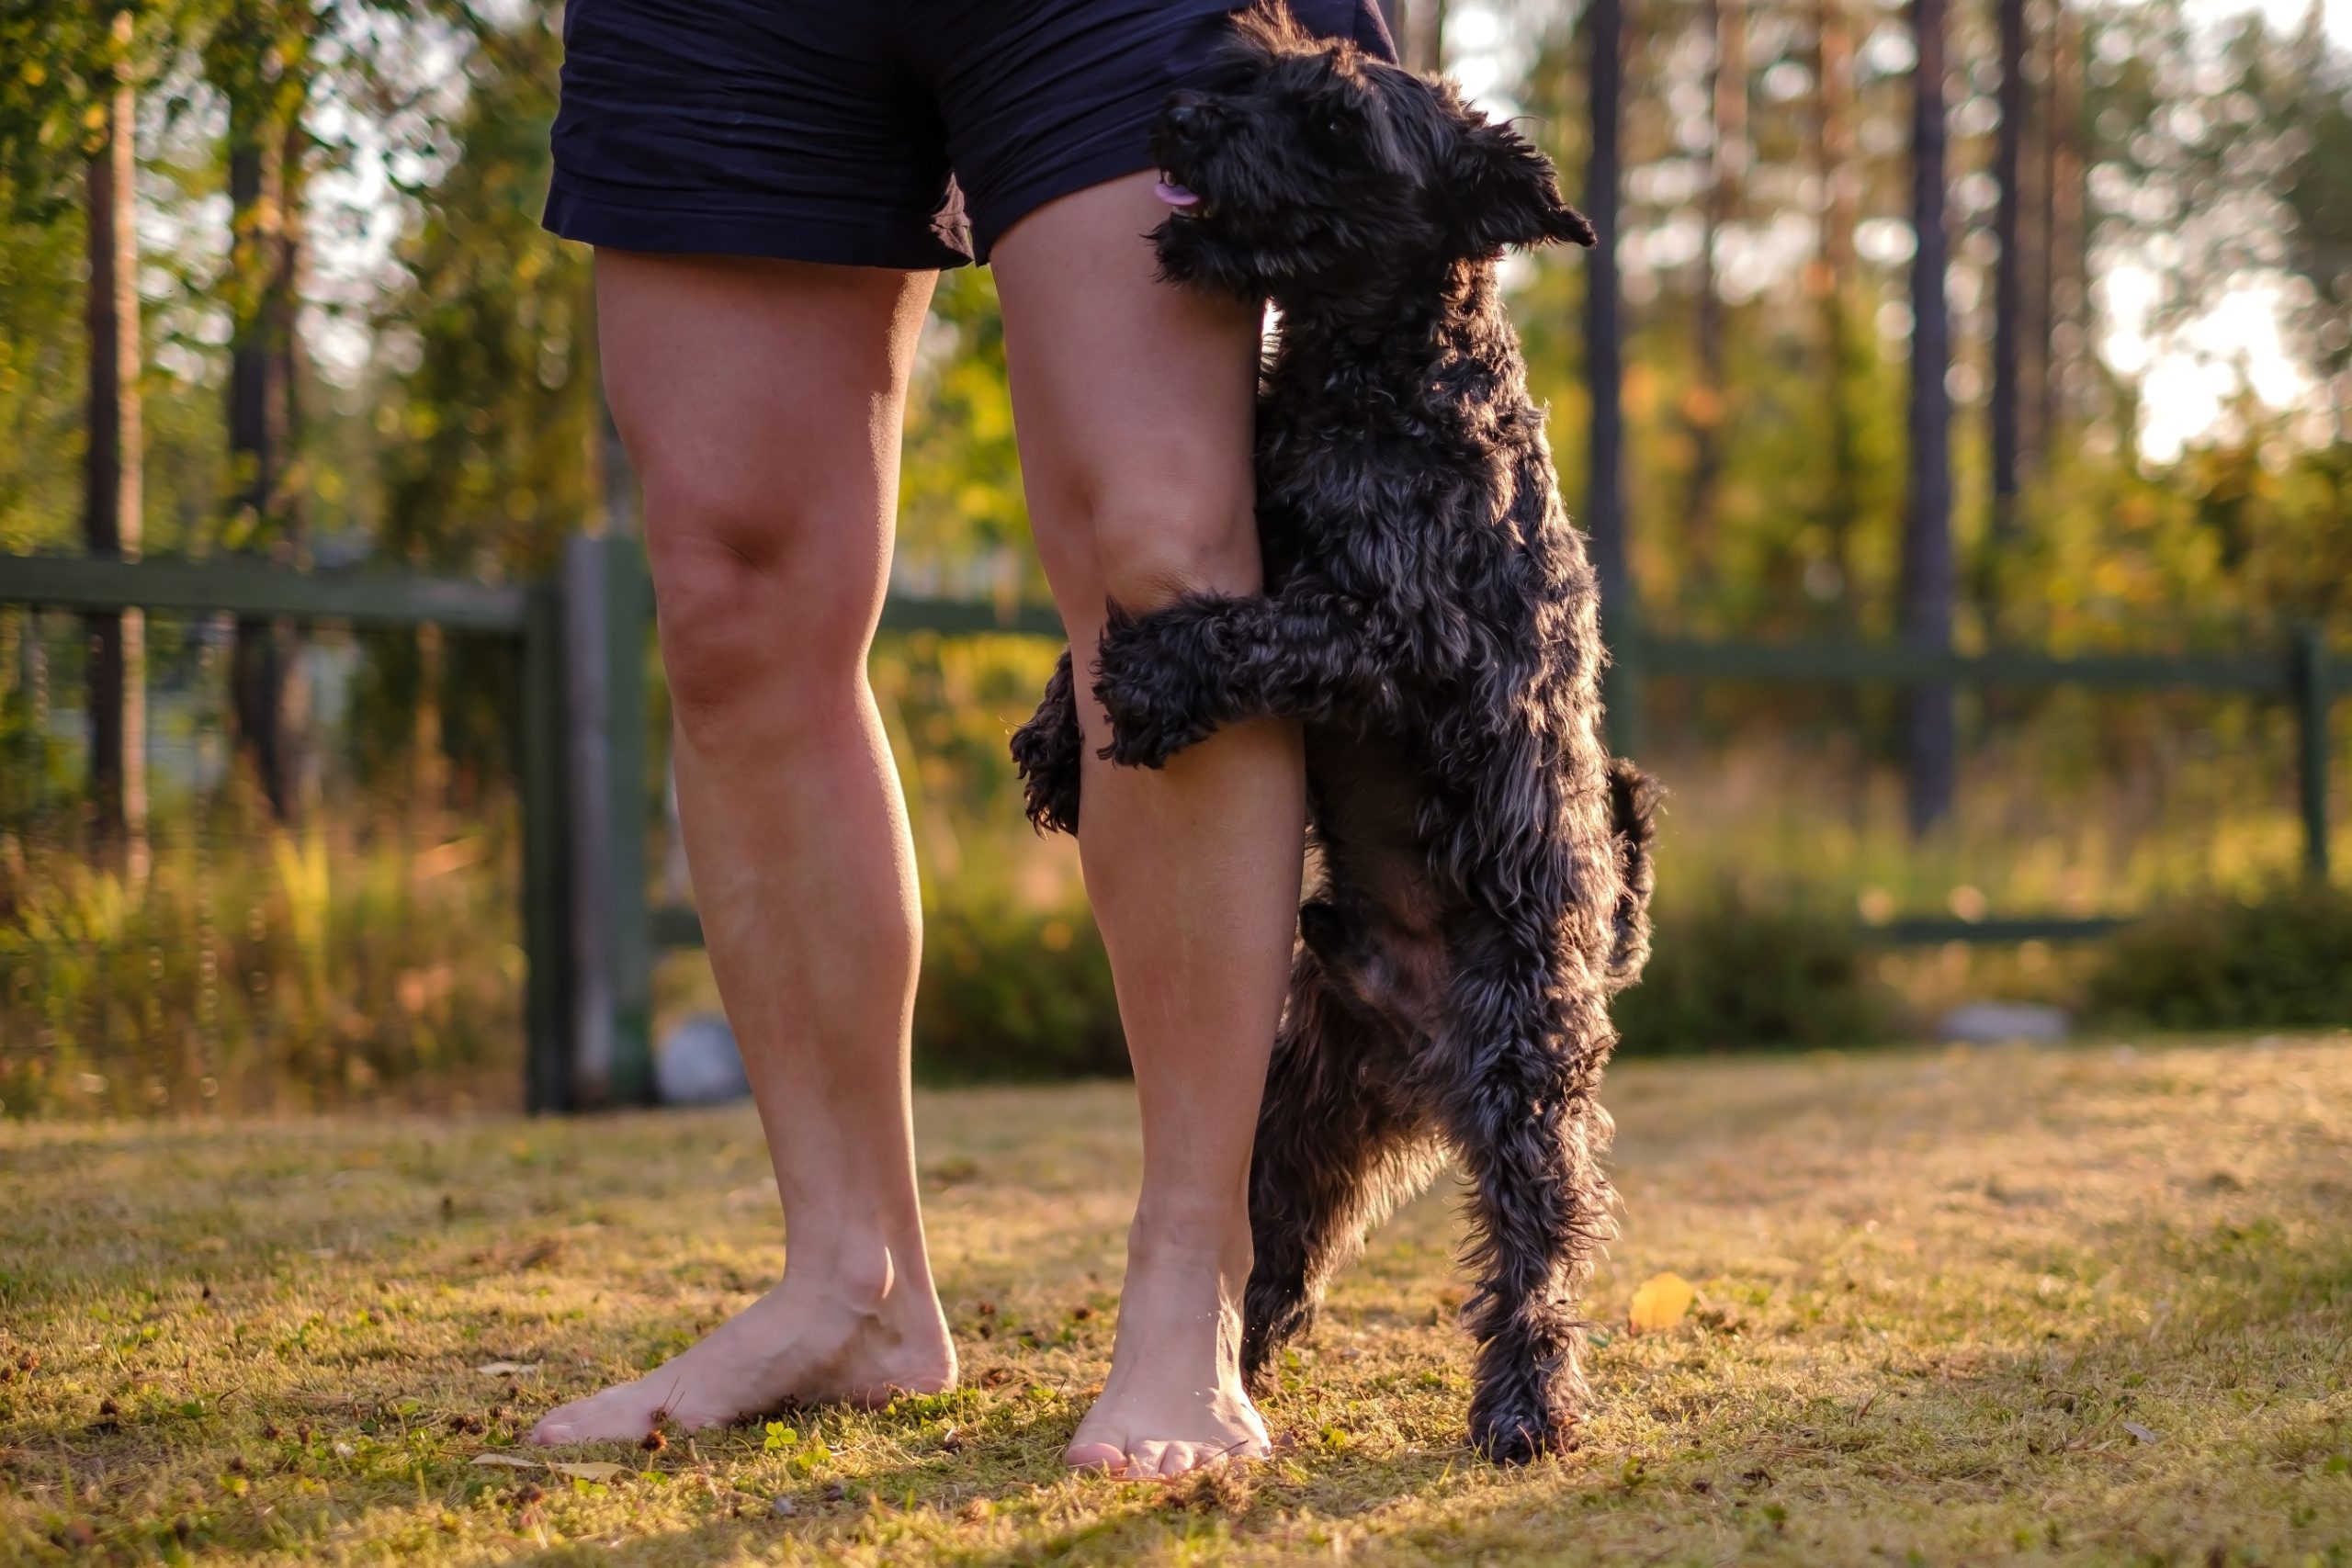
(864, 1274)
(1175, 1236)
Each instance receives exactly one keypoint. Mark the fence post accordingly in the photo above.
(1621, 681)
(2314, 693)
(547, 935)
(604, 593)
(628, 617)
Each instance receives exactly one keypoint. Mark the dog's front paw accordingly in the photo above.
(1151, 698)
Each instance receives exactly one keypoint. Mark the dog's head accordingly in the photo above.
(1308, 166)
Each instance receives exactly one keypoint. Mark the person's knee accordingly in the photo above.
(750, 628)
(1155, 542)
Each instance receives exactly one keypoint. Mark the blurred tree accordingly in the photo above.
(1834, 282)
(963, 520)
(1706, 405)
(2059, 231)
(1604, 503)
(259, 58)
(1418, 27)
(2319, 194)
(113, 512)
(488, 408)
(73, 111)
(1927, 535)
(2009, 323)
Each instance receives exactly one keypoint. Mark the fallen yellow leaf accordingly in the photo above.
(506, 1369)
(1659, 1304)
(593, 1471)
(512, 1461)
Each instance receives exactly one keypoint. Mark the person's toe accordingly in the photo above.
(604, 1419)
(1183, 1459)
(1106, 1457)
(1145, 1460)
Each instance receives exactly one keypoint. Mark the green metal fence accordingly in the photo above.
(590, 932)
(2300, 674)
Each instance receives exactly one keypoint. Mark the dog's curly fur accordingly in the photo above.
(1431, 615)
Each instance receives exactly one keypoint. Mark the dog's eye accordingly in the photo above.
(1339, 126)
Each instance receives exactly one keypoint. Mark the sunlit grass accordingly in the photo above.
(2075, 1306)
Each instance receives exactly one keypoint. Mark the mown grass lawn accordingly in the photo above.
(2091, 1305)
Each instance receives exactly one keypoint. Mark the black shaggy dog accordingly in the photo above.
(1431, 615)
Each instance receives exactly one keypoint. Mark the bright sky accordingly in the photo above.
(2190, 375)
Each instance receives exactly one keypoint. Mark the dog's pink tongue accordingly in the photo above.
(1175, 195)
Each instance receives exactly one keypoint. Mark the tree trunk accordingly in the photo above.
(1604, 504)
(1834, 282)
(2009, 295)
(1417, 26)
(1727, 161)
(2061, 210)
(1424, 40)
(111, 516)
(261, 431)
(1927, 533)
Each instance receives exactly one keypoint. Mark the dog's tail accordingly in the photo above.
(1632, 812)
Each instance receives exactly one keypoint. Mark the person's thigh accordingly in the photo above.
(761, 402)
(1134, 402)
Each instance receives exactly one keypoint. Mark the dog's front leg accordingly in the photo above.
(1170, 678)
(1046, 752)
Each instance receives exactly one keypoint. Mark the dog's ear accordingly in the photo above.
(1505, 192)
(1268, 26)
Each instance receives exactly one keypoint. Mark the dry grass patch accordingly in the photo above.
(2084, 1306)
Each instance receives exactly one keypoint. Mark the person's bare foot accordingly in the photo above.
(856, 1335)
(1174, 1401)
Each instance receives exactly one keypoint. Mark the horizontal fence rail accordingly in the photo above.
(1865, 664)
(2302, 673)
(261, 591)
(582, 636)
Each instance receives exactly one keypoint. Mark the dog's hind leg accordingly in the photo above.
(1518, 1103)
(1335, 1152)
(1633, 816)
(1046, 749)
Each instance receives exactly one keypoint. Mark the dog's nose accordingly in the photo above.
(1186, 116)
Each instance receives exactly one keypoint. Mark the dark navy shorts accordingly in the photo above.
(898, 133)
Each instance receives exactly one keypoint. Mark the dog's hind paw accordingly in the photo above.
(1046, 752)
(1514, 1437)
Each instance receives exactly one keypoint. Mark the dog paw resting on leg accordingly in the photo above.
(1046, 752)
(1169, 678)
(1161, 677)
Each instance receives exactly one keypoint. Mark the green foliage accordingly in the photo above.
(348, 963)
(42, 380)
(490, 423)
(2281, 960)
(1014, 993)
(1731, 973)
(58, 64)
(963, 519)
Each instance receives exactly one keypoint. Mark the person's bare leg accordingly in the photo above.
(1134, 403)
(761, 402)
